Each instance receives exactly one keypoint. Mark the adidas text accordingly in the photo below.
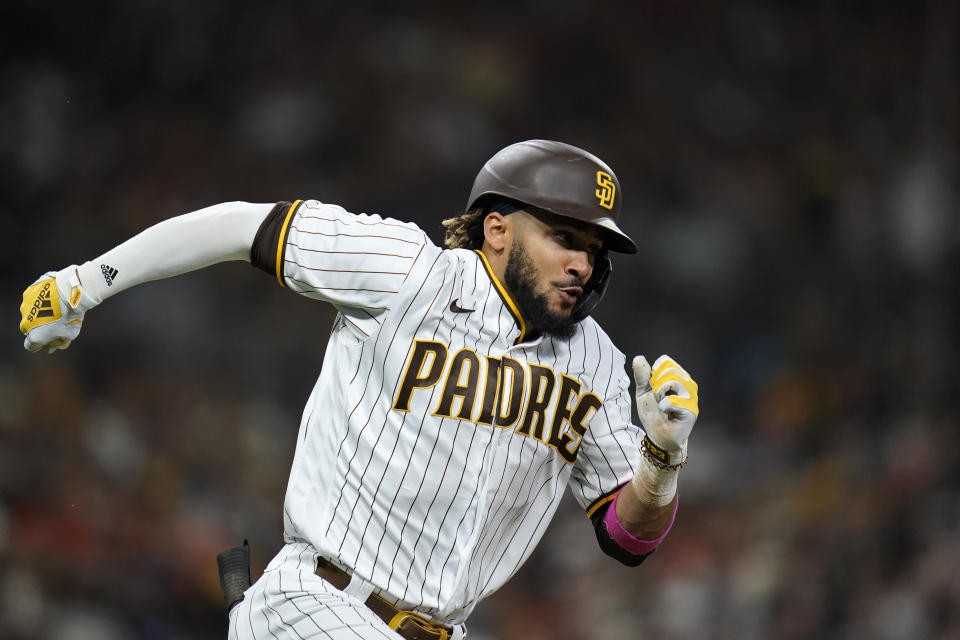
(42, 308)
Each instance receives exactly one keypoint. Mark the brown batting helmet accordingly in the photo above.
(559, 178)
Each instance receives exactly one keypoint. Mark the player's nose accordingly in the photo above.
(580, 264)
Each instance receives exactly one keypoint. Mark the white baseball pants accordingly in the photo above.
(291, 602)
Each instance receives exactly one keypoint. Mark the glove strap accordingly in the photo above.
(658, 455)
(76, 291)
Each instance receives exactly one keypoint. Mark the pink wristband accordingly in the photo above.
(626, 539)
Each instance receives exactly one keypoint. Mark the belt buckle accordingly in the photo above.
(423, 621)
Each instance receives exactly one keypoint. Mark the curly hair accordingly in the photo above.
(466, 231)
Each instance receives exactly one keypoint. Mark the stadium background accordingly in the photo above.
(790, 174)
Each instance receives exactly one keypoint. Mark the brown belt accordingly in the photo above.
(408, 624)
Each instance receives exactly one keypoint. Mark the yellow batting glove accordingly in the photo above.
(668, 406)
(52, 311)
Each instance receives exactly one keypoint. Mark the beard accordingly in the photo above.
(520, 281)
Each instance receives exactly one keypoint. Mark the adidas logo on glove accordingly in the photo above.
(42, 305)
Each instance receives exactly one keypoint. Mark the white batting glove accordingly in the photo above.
(668, 407)
(52, 310)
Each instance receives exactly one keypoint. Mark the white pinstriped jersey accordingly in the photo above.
(437, 443)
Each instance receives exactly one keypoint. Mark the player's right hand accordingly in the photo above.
(52, 310)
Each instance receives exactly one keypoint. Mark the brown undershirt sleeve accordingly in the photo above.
(267, 252)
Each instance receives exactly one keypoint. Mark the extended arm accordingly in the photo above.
(54, 306)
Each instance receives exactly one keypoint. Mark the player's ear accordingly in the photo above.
(496, 230)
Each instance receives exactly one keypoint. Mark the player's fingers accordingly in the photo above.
(647, 408)
(641, 374)
(672, 388)
(36, 340)
(31, 345)
(46, 346)
(665, 364)
(677, 393)
(673, 379)
(671, 404)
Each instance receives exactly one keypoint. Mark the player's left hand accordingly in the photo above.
(668, 406)
(52, 310)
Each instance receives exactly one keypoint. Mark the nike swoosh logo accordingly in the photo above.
(454, 307)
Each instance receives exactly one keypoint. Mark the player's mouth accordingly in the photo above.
(570, 295)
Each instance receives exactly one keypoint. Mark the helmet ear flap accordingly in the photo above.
(596, 287)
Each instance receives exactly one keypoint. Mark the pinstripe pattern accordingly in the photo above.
(435, 512)
(290, 602)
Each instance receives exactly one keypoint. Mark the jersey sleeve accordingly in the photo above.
(606, 461)
(610, 450)
(354, 261)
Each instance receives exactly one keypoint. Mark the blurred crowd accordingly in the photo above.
(790, 173)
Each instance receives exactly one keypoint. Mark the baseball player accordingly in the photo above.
(462, 391)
